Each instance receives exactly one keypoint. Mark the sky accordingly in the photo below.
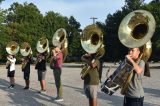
(82, 10)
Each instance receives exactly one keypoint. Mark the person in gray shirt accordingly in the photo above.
(134, 94)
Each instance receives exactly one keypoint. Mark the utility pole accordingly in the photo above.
(93, 18)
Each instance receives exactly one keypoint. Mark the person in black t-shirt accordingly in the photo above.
(26, 61)
(41, 71)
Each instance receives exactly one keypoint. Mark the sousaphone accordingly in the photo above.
(43, 45)
(25, 49)
(60, 39)
(12, 48)
(92, 42)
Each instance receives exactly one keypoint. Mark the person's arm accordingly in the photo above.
(136, 65)
(57, 56)
(11, 60)
(84, 59)
(95, 63)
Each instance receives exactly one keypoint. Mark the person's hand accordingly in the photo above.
(54, 52)
(93, 63)
(22, 59)
(8, 57)
(129, 57)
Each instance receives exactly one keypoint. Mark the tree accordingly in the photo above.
(53, 21)
(133, 4)
(23, 23)
(2, 28)
(75, 48)
(153, 7)
(1, 1)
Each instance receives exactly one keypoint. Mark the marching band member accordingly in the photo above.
(41, 71)
(91, 80)
(134, 94)
(26, 61)
(56, 65)
(11, 70)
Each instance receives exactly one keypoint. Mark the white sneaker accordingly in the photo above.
(58, 99)
(42, 91)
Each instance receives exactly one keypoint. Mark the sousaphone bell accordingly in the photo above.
(60, 39)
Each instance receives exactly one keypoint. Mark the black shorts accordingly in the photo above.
(26, 75)
(10, 73)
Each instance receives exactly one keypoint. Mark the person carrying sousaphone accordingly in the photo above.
(11, 70)
(56, 65)
(26, 61)
(134, 94)
(41, 71)
(91, 79)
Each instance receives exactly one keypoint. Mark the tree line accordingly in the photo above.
(25, 23)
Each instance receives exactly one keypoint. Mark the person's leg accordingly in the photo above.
(87, 93)
(27, 83)
(90, 101)
(57, 76)
(43, 84)
(137, 102)
(133, 101)
(124, 101)
(93, 93)
(94, 102)
(40, 78)
(127, 101)
(43, 81)
(12, 80)
(100, 70)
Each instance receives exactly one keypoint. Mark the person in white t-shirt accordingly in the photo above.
(11, 70)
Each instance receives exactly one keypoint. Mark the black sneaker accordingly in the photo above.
(11, 86)
(25, 88)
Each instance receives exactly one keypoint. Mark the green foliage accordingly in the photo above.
(53, 21)
(1, 1)
(75, 48)
(133, 4)
(153, 7)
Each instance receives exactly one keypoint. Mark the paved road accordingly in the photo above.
(72, 87)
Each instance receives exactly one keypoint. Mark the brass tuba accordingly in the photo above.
(92, 42)
(12, 48)
(60, 39)
(135, 30)
(25, 50)
(43, 45)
